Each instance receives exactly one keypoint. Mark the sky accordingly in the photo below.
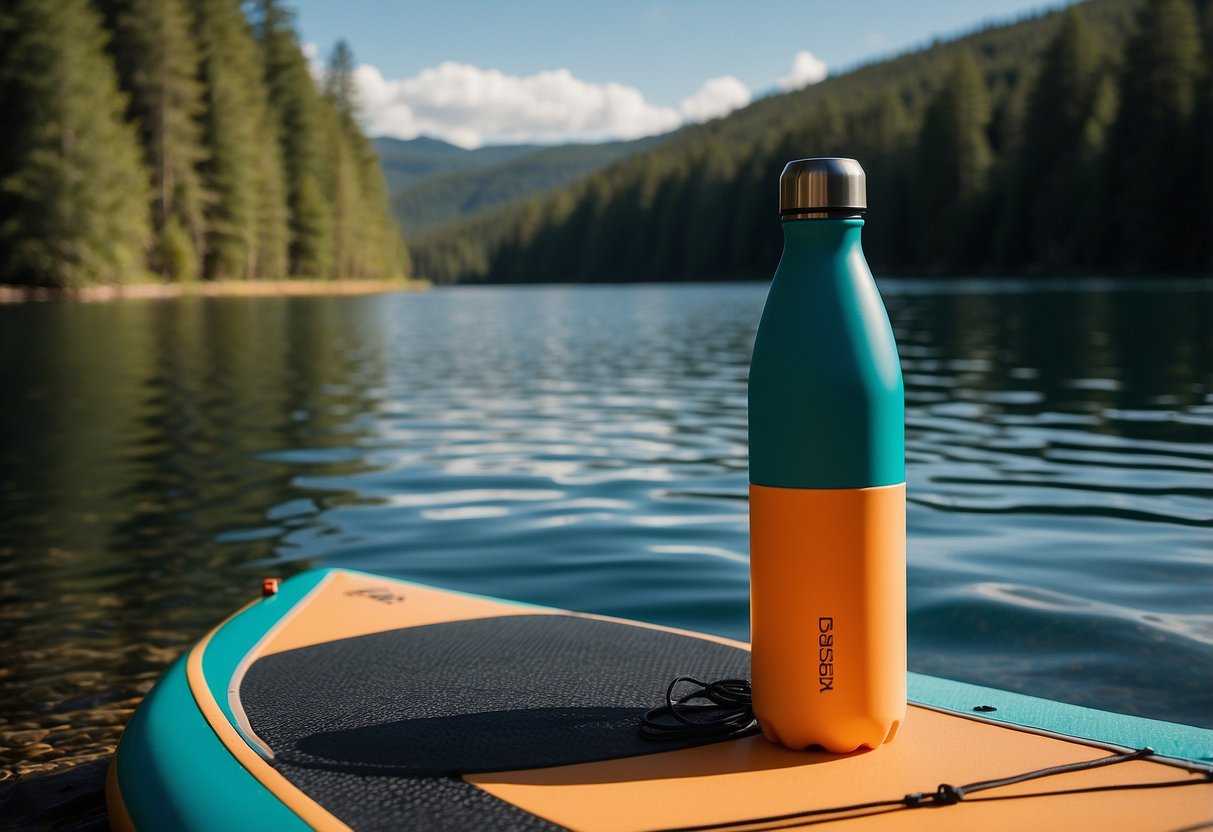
(476, 72)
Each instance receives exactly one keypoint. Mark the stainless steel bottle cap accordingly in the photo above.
(826, 187)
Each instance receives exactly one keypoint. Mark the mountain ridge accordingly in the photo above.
(477, 183)
(406, 162)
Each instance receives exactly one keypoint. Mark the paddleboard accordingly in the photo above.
(345, 700)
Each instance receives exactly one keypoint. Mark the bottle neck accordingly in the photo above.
(822, 232)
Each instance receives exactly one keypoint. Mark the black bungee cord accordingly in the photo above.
(946, 795)
(724, 709)
(727, 712)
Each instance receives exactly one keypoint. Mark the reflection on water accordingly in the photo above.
(586, 448)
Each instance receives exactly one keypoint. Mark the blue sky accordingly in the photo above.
(481, 72)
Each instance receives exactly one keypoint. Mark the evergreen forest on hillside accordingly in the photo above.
(178, 140)
(438, 199)
(1077, 141)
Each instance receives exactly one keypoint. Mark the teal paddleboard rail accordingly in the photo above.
(233, 641)
(1168, 739)
(174, 773)
(173, 770)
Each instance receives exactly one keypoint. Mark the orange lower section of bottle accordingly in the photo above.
(828, 614)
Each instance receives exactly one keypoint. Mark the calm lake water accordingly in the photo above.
(585, 447)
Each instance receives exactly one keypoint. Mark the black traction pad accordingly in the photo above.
(378, 728)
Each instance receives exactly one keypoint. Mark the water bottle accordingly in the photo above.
(827, 480)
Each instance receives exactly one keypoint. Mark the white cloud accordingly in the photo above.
(468, 106)
(717, 97)
(807, 69)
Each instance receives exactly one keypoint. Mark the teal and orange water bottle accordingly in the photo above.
(827, 480)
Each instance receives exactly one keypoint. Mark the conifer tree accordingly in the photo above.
(271, 250)
(884, 144)
(246, 220)
(754, 213)
(640, 238)
(158, 66)
(366, 241)
(380, 234)
(827, 129)
(1091, 186)
(347, 203)
(1063, 136)
(953, 159)
(299, 118)
(339, 84)
(669, 218)
(594, 259)
(1153, 151)
(73, 197)
(953, 145)
(706, 221)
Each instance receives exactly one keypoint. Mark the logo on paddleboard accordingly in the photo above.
(377, 593)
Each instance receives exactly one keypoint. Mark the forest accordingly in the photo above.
(529, 169)
(1071, 142)
(181, 140)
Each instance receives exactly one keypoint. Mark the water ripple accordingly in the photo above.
(1193, 627)
(586, 447)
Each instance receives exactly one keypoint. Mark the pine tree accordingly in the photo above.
(379, 233)
(246, 232)
(73, 198)
(754, 215)
(1152, 152)
(669, 218)
(271, 248)
(953, 143)
(1091, 187)
(349, 214)
(827, 130)
(339, 86)
(1063, 135)
(598, 242)
(300, 127)
(642, 238)
(953, 159)
(345, 202)
(707, 215)
(366, 241)
(158, 66)
(885, 138)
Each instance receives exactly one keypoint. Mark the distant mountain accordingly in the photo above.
(405, 163)
(464, 182)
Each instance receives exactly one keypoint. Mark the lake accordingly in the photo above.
(585, 447)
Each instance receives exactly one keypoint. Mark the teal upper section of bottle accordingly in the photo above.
(827, 405)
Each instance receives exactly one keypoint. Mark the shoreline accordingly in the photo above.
(221, 288)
